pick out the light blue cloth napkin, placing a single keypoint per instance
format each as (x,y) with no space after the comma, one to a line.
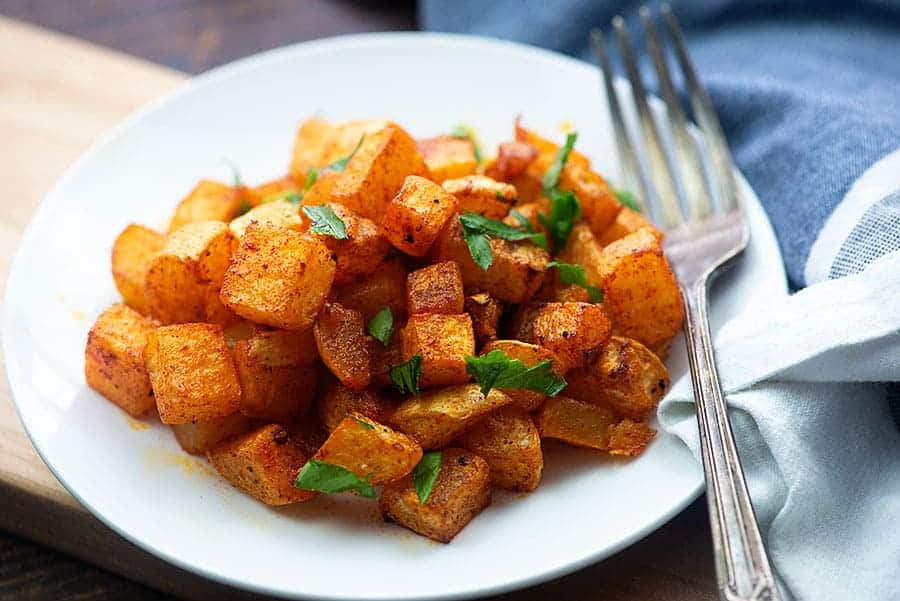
(809,98)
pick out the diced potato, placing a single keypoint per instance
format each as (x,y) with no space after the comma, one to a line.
(641,295)
(308,433)
(370,449)
(414,218)
(278,277)
(263,463)
(572,331)
(583,249)
(574,422)
(337,402)
(545,147)
(448,157)
(279,213)
(192,373)
(322,189)
(624,376)
(482,195)
(462,489)
(530,355)
(132,253)
(319,142)
(627,222)
(485,312)
(198,437)
(435,418)
(599,205)
(443,341)
(264,193)
(383,287)
(531,211)
(341,339)
(509,441)
(629,438)
(215,311)
(513,159)
(114,361)
(242,330)
(376,172)
(363,250)
(437,288)
(193,258)
(515,274)
(208,201)
(383,358)
(277,373)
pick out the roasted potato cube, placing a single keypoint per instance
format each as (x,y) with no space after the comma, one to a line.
(571,331)
(546,149)
(531,211)
(627,222)
(369,449)
(583,249)
(574,422)
(435,418)
(279,213)
(265,193)
(513,159)
(530,355)
(215,311)
(132,253)
(462,489)
(624,376)
(383,358)
(337,402)
(341,339)
(208,201)
(414,218)
(192,373)
(509,441)
(277,373)
(263,463)
(599,205)
(278,277)
(363,250)
(114,360)
(641,294)
(198,437)
(383,287)
(485,312)
(629,438)
(443,341)
(376,172)
(437,288)
(193,258)
(319,142)
(448,157)
(308,433)
(515,275)
(482,195)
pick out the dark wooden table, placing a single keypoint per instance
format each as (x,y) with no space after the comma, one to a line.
(193,36)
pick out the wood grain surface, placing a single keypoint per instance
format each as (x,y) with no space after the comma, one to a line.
(57,94)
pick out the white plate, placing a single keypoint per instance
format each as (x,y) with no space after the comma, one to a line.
(136,479)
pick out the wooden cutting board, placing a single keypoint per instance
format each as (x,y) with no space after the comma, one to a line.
(57,94)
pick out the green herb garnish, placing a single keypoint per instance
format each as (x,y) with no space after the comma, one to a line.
(311,177)
(523,220)
(476,229)
(426,473)
(468,133)
(497,370)
(341,164)
(366,425)
(243,207)
(551,178)
(564,212)
(325,222)
(405,377)
(627,198)
(381,326)
(570,273)
(292,196)
(235,173)
(329,478)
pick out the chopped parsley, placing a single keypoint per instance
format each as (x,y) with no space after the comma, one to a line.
(325,221)
(570,273)
(497,370)
(381,326)
(551,178)
(627,199)
(426,473)
(329,478)
(564,212)
(468,133)
(405,377)
(477,228)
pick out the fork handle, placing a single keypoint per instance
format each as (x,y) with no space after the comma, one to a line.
(742,566)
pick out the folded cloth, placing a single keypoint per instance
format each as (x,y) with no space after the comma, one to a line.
(809,98)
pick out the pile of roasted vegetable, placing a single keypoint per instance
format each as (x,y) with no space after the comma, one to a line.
(400,318)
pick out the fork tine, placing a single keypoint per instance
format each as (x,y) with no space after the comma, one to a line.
(661,171)
(720,156)
(631,175)
(687,156)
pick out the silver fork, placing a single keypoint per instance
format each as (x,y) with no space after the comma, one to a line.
(690,192)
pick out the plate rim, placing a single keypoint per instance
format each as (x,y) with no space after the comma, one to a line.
(234,68)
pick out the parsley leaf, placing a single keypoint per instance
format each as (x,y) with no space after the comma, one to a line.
(382,325)
(551,178)
(311,177)
(477,228)
(235,173)
(243,207)
(366,425)
(325,222)
(468,133)
(292,196)
(426,473)
(523,220)
(405,377)
(570,273)
(627,198)
(564,211)
(341,164)
(497,370)
(327,477)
